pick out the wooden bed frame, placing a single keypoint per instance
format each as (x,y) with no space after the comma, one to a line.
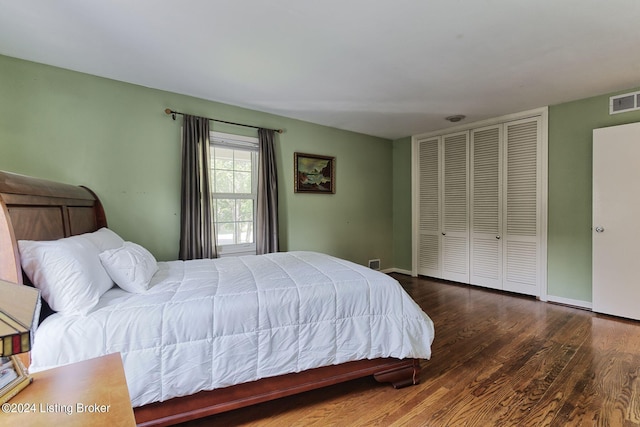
(37,209)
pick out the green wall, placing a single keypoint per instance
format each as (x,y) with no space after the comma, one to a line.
(116,139)
(570,199)
(402,227)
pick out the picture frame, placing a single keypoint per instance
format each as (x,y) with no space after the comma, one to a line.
(13,377)
(314,173)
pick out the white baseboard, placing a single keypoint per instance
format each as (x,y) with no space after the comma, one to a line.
(572,302)
(549,298)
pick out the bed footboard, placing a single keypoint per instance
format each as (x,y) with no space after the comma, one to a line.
(399,373)
(401,376)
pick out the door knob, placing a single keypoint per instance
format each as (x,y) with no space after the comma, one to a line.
(599,229)
(498,237)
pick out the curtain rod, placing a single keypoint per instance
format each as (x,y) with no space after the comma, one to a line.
(173,115)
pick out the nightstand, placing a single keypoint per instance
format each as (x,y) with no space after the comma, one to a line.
(89,393)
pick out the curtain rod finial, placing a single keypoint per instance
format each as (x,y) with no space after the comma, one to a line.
(170,111)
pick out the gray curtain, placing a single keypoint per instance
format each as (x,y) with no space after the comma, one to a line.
(267,210)
(197,234)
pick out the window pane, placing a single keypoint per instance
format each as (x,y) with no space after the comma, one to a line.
(223,158)
(223,182)
(224,210)
(242,182)
(245,232)
(225,233)
(231,173)
(244,210)
(242,160)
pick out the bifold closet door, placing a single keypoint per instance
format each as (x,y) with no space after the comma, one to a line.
(429,257)
(522,188)
(455,207)
(443,220)
(486,207)
(616,209)
(480,204)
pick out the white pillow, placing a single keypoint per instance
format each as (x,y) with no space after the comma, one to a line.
(131,266)
(67,271)
(104,239)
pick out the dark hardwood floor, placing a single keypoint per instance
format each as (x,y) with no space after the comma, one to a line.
(498,360)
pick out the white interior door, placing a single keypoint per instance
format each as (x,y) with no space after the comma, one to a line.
(429,257)
(616,212)
(521,211)
(486,203)
(455,207)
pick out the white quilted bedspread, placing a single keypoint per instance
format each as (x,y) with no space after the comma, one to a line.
(208,324)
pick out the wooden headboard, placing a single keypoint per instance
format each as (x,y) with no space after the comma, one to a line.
(37,209)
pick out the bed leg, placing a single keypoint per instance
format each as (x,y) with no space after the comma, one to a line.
(403,376)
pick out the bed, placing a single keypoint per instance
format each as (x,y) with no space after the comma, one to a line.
(378,340)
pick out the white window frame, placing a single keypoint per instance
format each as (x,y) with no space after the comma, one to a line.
(238,142)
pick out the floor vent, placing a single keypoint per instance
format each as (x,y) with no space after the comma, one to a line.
(374,264)
(625,102)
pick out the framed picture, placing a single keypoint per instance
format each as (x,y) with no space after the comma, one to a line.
(314,173)
(13,377)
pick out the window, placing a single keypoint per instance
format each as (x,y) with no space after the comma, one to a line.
(234,167)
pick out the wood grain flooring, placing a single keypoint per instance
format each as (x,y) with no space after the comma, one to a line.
(498,360)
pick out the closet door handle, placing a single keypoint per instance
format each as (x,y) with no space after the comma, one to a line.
(498,237)
(444,234)
(599,229)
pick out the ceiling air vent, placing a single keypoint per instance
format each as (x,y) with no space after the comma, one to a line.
(625,102)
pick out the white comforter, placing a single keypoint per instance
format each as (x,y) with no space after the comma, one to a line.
(208,324)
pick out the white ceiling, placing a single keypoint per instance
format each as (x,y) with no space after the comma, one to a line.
(390,68)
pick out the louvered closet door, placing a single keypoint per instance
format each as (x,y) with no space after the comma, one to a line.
(455,207)
(429,259)
(522,190)
(486,207)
